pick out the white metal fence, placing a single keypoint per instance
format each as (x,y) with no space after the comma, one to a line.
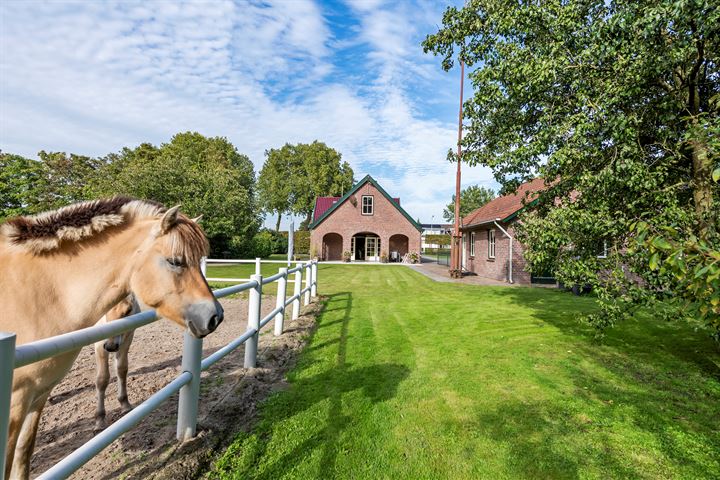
(187,383)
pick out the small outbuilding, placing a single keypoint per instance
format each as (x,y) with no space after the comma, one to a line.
(489,247)
(366,222)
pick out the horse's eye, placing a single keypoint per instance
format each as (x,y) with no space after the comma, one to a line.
(175,262)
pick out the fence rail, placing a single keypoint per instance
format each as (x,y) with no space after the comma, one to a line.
(187,383)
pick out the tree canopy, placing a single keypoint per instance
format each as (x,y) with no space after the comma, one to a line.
(293,176)
(615,104)
(471,198)
(206,175)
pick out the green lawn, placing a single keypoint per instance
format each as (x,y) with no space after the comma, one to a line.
(408,378)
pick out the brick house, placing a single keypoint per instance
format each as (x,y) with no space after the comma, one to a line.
(489,232)
(366,221)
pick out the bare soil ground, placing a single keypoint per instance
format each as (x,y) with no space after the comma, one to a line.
(228,399)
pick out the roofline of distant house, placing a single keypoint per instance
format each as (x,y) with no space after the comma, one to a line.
(356,187)
(503,220)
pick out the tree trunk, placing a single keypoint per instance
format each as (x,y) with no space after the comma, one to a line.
(277,225)
(702,179)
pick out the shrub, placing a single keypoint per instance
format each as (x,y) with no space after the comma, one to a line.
(413,257)
(346,256)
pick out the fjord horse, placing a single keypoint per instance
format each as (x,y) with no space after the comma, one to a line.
(62,270)
(120,346)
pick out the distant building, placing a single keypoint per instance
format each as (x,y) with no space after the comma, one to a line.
(366,221)
(435,229)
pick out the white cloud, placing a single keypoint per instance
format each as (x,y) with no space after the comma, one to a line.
(92,78)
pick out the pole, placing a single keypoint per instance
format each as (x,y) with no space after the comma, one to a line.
(251,346)
(7,367)
(203,266)
(291,241)
(189,393)
(308,282)
(280,303)
(258,269)
(296,293)
(313,285)
(455,252)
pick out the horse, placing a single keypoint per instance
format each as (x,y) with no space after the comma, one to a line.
(120,345)
(62,270)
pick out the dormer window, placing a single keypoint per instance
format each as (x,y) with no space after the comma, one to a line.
(367,205)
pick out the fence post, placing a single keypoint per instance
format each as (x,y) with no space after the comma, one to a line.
(281,294)
(190,393)
(258,268)
(296,292)
(7,366)
(203,266)
(314,269)
(308,282)
(251,346)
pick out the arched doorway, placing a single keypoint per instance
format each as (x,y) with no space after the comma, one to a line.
(332,246)
(365,247)
(398,247)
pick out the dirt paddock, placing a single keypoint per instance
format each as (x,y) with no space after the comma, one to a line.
(228,399)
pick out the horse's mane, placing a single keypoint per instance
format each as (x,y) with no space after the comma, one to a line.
(47,231)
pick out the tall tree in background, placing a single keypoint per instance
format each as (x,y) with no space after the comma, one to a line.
(206,175)
(471,198)
(321,174)
(295,175)
(616,104)
(275,188)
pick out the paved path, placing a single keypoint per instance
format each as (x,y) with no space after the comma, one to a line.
(440,273)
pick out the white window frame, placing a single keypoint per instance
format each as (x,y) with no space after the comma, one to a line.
(604,252)
(472,244)
(491,243)
(371,205)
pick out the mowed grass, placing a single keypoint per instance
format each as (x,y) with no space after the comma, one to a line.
(408,378)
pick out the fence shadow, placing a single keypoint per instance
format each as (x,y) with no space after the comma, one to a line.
(377,383)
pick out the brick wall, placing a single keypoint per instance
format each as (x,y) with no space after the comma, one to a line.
(496,268)
(348,220)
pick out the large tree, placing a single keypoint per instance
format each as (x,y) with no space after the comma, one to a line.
(293,176)
(471,198)
(615,104)
(206,175)
(275,188)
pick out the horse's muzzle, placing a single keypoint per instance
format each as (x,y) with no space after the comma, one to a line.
(112,345)
(203,318)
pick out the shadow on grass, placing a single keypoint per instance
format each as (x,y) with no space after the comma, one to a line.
(657,381)
(246,458)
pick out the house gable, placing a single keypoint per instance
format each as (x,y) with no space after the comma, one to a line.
(350,196)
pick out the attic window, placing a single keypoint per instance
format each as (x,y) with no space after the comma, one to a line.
(367,205)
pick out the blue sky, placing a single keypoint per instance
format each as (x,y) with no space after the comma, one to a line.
(93,77)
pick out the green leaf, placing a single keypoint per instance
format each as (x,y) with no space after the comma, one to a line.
(716,175)
(661,243)
(654,260)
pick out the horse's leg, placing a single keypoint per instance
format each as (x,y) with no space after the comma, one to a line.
(121,371)
(26,440)
(20,405)
(102,378)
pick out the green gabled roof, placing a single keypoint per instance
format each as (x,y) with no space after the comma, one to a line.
(354,189)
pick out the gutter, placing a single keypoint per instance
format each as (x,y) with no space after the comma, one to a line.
(510,275)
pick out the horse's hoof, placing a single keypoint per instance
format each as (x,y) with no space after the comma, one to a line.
(99,427)
(126,408)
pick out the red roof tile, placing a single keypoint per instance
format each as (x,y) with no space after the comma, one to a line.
(322,204)
(503,207)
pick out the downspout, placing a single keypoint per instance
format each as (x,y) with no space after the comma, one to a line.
(510,276)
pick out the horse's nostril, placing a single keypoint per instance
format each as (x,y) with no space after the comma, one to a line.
(214,322)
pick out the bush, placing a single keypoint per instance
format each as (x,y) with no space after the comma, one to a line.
(302,242)
(263,244)
(413,257)
(347,256)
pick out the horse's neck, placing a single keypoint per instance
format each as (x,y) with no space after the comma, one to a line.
(86,283)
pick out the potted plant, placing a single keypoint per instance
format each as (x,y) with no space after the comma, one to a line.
(346,256)
(414,257)
(383,257)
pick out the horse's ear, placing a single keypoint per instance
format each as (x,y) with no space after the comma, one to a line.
(169,219)
(197,219)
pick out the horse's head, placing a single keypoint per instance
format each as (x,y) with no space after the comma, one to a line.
(167,277)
